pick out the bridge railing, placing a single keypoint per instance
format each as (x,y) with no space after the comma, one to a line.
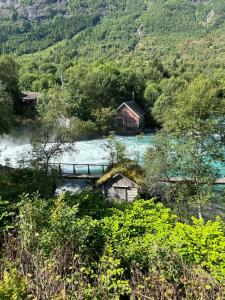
(80,169)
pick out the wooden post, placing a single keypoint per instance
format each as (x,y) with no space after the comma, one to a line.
(89,170)
(94,185)
(74,169)
(103,169)
(60,169)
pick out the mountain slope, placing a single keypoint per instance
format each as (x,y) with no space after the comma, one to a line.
(28,26)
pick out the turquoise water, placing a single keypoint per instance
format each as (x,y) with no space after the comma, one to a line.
(92,151)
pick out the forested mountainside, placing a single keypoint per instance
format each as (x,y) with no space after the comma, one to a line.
(27,26)
(95,54)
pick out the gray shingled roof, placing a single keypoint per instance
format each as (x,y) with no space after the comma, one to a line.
(30,96)
(133,106)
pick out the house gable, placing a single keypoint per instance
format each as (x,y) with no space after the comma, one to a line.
(127,106)
(122,181)
(130,114)
(122,188)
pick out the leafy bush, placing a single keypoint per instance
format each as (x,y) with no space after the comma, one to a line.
(202,244)
(139,232)
(13,286)
(14,183)
(67,247)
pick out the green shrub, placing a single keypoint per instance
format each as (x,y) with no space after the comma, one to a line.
(139,231)
(13,286)
(202,244)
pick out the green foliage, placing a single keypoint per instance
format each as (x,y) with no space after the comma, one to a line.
(109,250)
(96,90)
(104,119)
(13,183)
(33,217)
(13,286)
(191,142)
(5,110)
(9,91)
(61,223)
(59,228)
(201,243)
(116,151)
(200,106)
(6,215)
(136,232)
(36,35)
(9,74)
(82,130)
(91,203)
(108,282)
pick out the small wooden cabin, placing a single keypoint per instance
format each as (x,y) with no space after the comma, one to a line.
(131,115)
(30,98)
(119,187)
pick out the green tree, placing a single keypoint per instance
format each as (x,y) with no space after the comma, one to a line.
(49,144)
(116,151)
(6,110)
(9,76)
(169,90)
(193,137)
(104,119)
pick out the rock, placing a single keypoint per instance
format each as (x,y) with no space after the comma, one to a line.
(210,16)
(40,9)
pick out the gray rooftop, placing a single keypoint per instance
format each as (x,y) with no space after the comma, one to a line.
(133,106)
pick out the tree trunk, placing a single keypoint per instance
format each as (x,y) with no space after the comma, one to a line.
(199,211)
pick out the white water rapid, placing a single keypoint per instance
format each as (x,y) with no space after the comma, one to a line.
(93,152)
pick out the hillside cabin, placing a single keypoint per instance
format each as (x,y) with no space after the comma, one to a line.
(130,115)
(30,98)
(119,187)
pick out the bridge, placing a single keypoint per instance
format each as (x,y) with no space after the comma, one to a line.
(80,171)
(95,171)
(219,181)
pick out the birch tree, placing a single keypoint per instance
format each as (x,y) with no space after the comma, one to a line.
(192,140)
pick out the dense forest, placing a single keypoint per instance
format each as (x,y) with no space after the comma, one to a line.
(85,58)
(95,55)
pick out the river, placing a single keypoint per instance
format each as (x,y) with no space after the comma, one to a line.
(93,151)
(12,148)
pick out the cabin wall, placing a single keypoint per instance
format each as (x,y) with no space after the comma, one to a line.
(121,182)
(124,194)
(121,189)
(130,119)
(132,194)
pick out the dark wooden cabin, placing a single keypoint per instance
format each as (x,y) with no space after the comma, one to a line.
(130,115)
(30,98)
(120,187)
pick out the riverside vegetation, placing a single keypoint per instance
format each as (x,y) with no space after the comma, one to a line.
(83,246)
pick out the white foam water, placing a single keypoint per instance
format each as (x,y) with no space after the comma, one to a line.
(92,152)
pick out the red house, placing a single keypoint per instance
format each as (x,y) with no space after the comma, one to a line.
(131,115)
